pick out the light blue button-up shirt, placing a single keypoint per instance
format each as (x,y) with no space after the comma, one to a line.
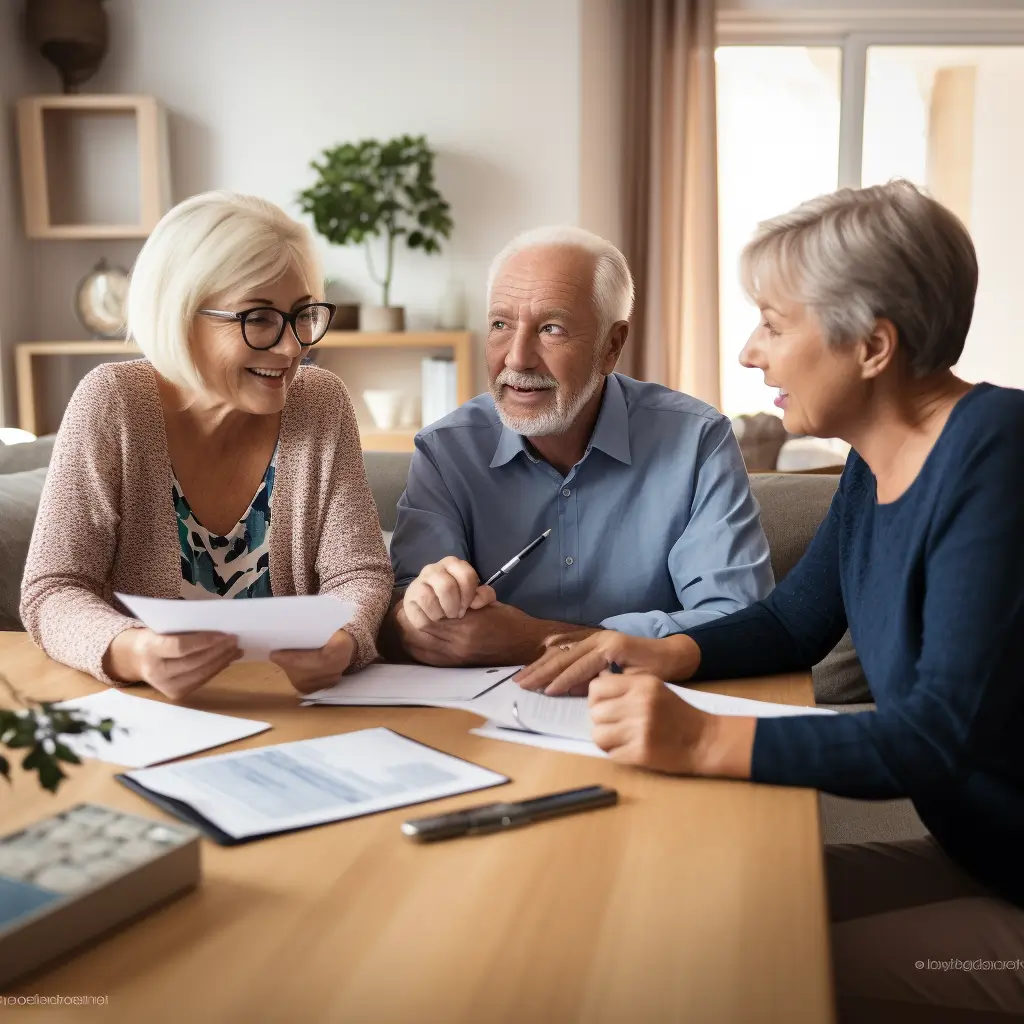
(653,531)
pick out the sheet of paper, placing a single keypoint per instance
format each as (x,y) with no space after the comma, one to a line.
(411,684)
(720,704)
(262,624)
(510,706)
(310,782)
(148,731)
(494,731)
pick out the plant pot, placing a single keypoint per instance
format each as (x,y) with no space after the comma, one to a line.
(382,319)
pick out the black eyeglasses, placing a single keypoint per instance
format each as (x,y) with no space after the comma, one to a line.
(263,326)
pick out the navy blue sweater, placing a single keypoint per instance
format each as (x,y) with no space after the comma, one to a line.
(932,587)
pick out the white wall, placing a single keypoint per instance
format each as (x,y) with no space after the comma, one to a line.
(602,105)
(257,88)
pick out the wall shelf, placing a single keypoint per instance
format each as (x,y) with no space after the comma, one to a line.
(459,343)
(93,167)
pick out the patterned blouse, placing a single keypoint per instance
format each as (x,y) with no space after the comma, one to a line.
(237,565)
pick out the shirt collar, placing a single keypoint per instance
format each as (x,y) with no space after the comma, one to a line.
(611,432)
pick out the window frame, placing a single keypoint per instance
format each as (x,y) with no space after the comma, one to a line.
(853,32)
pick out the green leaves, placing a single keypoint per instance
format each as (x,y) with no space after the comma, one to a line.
(37,728)
(371,189)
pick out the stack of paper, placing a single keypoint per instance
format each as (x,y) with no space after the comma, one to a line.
(563,723)
(385,684)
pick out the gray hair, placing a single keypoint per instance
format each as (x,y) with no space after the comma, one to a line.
(613,283)
(857,255)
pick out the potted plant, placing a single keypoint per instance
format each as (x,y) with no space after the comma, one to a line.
(379,190)
(37,728)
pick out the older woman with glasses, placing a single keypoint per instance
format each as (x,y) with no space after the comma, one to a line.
(866,298)
(218,467)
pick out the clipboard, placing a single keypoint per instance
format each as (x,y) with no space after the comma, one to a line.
(185,812)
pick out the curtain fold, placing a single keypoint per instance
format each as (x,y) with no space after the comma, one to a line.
(670,201)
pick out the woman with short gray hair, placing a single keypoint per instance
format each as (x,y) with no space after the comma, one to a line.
(866,297)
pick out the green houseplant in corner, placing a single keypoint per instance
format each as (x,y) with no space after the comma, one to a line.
(371,190)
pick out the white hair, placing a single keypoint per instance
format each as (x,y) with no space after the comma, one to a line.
(210,246)
(613,283)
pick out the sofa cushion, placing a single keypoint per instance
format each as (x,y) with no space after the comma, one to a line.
(792,508)
(17,458)
(19,499)
(387,472)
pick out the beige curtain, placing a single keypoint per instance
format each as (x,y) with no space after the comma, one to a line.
(670,178)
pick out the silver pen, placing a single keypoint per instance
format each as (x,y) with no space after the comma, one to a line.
(513,562)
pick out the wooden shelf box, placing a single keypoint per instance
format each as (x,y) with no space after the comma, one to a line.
(458,343)
(93,166)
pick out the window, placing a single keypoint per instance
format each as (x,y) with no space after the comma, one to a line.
(778,144)
(798,120)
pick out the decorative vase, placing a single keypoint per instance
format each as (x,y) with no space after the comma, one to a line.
(71,35)
(385,407)
(382,319)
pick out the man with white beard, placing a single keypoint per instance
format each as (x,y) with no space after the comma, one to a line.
(653,526)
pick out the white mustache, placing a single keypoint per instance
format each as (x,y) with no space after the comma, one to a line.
(531,381)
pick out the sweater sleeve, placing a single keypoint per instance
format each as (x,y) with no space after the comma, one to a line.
(352,562)
(65,599)
(793,628)
(967,676)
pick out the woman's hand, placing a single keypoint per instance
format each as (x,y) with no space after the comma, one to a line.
(313,670)
(568,665)
(638,720)
(175,664)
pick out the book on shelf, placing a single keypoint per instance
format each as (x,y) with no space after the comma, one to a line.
(438,381)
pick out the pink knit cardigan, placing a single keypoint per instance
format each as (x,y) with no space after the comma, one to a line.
(106,521)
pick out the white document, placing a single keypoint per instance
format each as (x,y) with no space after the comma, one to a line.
(262,624)
(411,684)
(148,731)
(493,731)
(309,782)
(720,704)
(509,708)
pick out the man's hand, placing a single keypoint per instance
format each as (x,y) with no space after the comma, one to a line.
(638,720)
(570,662)
(309,671)
(175,664)
(444,590)
(496,634)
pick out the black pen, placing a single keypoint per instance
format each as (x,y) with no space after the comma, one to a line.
(495,817)
(513,562)
(614,668)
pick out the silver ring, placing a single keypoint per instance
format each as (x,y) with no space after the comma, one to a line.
(566,647)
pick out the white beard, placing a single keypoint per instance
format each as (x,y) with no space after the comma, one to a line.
(558,418)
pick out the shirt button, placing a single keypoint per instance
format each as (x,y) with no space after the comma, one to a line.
(568,561)
(566,492)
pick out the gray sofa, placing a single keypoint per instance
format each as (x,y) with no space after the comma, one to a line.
(792,506)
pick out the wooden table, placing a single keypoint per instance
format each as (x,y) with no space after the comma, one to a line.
(693,900)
